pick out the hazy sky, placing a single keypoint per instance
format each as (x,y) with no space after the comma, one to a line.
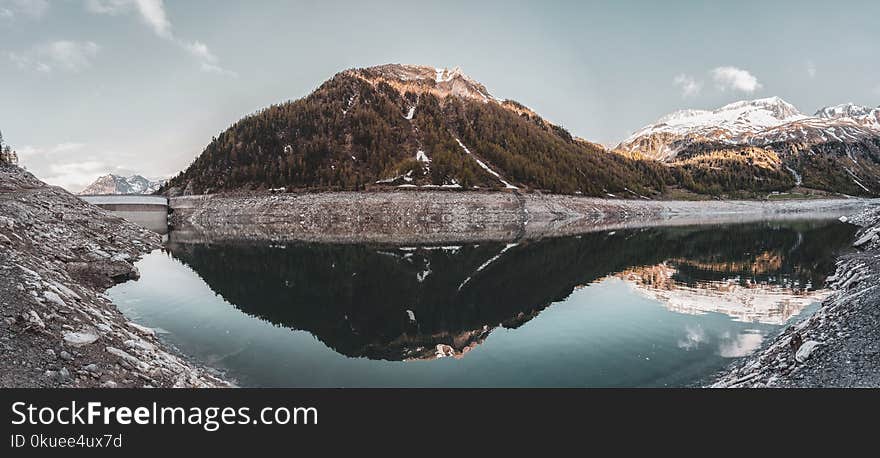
(93,86)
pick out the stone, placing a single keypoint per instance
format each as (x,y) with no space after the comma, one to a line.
(79,339)
(142,329)
(806,350)
(33,319)
(54,298)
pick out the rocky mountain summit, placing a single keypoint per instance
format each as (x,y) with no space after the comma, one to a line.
(57,328)
(116,184)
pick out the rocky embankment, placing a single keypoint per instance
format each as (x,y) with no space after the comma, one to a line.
(57,328)
(837,346)
(421,217)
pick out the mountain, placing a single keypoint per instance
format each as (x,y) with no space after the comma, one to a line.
(115,184)
(837,149)
(848,110)
(409,126)
(675,131)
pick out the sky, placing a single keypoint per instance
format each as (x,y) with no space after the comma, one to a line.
(89,87)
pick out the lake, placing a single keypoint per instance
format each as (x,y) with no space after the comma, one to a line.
(650,307)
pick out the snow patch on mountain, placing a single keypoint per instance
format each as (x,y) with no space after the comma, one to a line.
(486,167)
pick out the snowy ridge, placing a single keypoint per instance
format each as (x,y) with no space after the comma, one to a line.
(115,184)
(753,122)
(733,119)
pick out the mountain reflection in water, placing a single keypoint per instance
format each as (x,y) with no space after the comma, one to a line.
(408,303)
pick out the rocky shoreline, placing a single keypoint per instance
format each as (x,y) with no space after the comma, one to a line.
(57,328)
(837,346)
(425,217)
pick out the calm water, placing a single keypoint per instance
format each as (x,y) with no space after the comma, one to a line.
(647,307)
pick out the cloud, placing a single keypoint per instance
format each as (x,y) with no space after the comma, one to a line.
(154,15)
(152,12)
(208,61)
(71,164)
(735,79)
(30,8)
(811,69)
(75,176)
(61,148)
(688,85)
(71,56)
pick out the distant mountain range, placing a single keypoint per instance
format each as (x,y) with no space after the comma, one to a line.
(837,149)
(409,126)
(115,184)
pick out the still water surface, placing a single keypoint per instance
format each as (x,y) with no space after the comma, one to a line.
(646,307)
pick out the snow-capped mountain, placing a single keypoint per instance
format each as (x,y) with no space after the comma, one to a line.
(846,110)
(837,149)
(115,184)
(752,122)
(673,132)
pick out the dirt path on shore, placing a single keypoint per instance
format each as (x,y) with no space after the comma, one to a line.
(57,328)
(838,345)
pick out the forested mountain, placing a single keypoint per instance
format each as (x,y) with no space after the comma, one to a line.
(403,125)
(421,127)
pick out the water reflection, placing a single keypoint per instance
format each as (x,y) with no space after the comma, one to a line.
(421,303)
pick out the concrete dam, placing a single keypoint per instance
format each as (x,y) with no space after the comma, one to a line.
(148,211)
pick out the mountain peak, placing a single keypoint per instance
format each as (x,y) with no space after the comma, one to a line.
(117,184)
(423,78)
(844,110)
(776,106)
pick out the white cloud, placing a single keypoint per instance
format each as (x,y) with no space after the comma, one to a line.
(201,51)
(208,61)
(75,176)
(30,8)
(71,56)
(153,13)
(688,85)
(811,69)
(735,79)
(70,165)
(61,148)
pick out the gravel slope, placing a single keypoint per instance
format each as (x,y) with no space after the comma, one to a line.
(57,329)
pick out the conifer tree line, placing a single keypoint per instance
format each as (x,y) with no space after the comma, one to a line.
(7,154)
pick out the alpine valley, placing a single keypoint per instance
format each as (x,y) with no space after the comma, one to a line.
(407,126)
